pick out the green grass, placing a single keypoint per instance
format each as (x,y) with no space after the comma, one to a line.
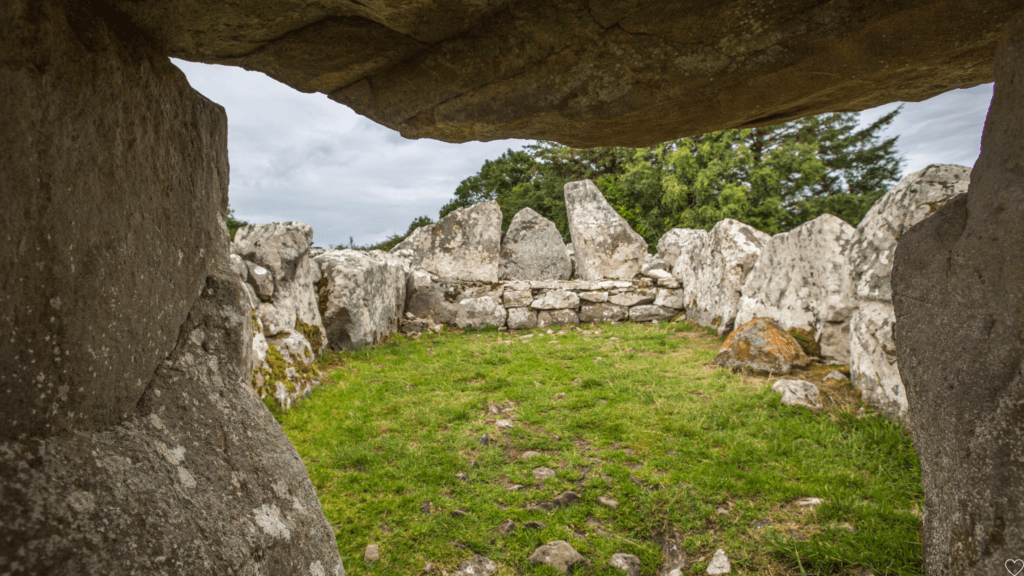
(394,425)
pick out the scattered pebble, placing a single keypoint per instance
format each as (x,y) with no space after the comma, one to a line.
(371,554)
(627,451)
(835,375)
(559,555)
(550,331)
(529,454)
(599,358)
(477,566)
(796,536)
(758,524)
(462,476)
(494,409)
(514,487)
(427,507)
(722,511)
(560,395)
(543,473)
(566,498)
(458,513)
(534,525)
(811,502)
(506,526)
(609,502)
(719,564)
(628,563)
(484,440)
(504,424)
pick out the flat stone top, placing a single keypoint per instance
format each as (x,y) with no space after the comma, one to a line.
(590,73)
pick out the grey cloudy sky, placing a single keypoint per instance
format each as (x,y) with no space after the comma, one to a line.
(305,158)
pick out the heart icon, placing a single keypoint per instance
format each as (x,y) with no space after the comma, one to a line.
(1014,567)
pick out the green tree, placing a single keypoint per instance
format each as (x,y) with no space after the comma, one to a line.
(233,224)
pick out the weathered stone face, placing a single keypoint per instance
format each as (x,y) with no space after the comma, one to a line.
(761,345)
(604,244)
(591,73)
(363,297)
(532,249)
(463,245)
(139,447)
(958,290)
(798,281)
(713,267)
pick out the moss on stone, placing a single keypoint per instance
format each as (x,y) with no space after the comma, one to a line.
(321,294)
(807,340)
(312,334)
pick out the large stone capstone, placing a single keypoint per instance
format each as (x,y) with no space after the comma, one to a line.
(130,440)
(873,359)
(958,291)
(532,249)
(712,269)
(590,73)
(798,282)
(463,245)
(604,244)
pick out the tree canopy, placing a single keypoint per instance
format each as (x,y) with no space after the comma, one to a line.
(773,178)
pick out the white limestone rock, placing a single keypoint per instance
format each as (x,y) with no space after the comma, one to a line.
(634,297)
(602,312)
(464,245)
(594,296)
(719,564)
(798,281)
(547,318)
(797,393)
(261,279)
(239,266)
(438,299)
(670,298)
(605,245)
(556,299)
(517,298)
(283,249)
(649,312)
(873,366)
(362,296)
(481,311)
(521,318)
(676,241)
(713,268)
(532,249)
(559,555)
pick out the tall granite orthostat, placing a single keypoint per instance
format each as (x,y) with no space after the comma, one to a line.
(605,245)
(463,245)
(532,249)
(130,441)
(958,292)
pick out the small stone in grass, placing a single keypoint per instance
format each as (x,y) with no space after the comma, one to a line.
(504,424)
(477,566)
(559,555)
(758,524)
(529,454)
(543,473)
(565,499)
(494,409)
(609,502)
(628,563)
(484,440)
(534,525)
(458,513)
(371,554)
(719,564)
(835,375)
(514,487)
(811,502)
(506,526)
(722,511)
(560,395)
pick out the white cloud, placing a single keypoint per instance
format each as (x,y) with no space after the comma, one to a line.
(303,157)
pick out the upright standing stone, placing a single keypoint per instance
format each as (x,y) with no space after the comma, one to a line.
(958,289)
(463,245)
(713,268)
(676,241)
(798,281)
(604,243)
(532,249)
(361,298)
(283,249)
(130,441)
(873,366)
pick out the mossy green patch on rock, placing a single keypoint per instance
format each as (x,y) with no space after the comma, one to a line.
(321,294)
(807,340)
(313,335)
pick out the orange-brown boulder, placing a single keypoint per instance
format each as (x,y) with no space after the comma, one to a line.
(762,345)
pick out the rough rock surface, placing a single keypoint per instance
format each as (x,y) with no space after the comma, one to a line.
(713,268)
(761,345)
(873,363)
(602,312)
(627,563)
(676,241)
(439,300)
(139,431)
(477,566)
(480,312)
(798,281)
(958,286)
(648,312)
(490,69)
(283,249)
(520,318)
(532,249)
(719,564)
(604,244)
(797,393)
(547,318)
(361,297)
(555,299)
(463,245)
(559,555)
